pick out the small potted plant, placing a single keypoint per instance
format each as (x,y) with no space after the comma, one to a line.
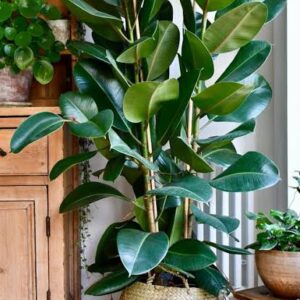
(146,123)
(27,47)
(277,252)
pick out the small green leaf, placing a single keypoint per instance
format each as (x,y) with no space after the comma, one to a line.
(190,255)
(88,193)
(196,56)
(43,71)
(188,15)
(5,11)
(29,8)
(78,107)
(141,251)
(23,39)
(149,10)
(253,171)
(177,232)
(222,98)
(247,61)
(67,163)
(111,283)
(113,168)
(213,5)
(34,128)
(120,146)
(228,249)
(211,280)
(187,186)
(144,99)
(23,57)
(235,28)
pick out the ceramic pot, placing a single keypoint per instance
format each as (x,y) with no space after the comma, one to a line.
(143,291)
(14,87)
(60,29)
(280,272)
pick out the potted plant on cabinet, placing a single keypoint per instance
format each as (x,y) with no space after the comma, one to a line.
(27,46)
(146,124)
(277,253)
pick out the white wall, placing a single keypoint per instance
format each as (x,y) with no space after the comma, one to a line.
(270,138)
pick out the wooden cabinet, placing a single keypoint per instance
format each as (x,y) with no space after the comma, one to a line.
(38,246)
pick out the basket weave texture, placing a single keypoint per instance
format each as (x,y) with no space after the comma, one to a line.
(143,291)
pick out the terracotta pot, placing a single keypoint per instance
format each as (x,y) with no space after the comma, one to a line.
(280,272)
(15,87)
(143,291)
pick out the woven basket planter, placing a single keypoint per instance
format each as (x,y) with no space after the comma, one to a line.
(143,291)
(14,87)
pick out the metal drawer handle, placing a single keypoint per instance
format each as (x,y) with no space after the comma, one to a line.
(2,152)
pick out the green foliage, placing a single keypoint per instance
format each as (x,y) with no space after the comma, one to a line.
(26,40)
(278,230)
(147,125)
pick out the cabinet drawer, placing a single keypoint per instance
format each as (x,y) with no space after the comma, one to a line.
(33,160)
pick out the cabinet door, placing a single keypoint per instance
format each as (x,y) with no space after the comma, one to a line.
(23,243)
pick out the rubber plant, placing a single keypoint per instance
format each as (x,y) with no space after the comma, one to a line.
(147,125)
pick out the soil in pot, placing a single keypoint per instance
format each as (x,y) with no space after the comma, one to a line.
(15,88)
(280,272)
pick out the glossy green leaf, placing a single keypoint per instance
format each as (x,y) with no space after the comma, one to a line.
(29,8)
(221,223)
(190,255)
(88,193)
(149,10)
(23,39)
(187,186)
(182,150)
(96,127)
(254,104)
(253,171)
(141,49)
(236,28)
(188,15)
(141,251)
(68,162)
(77,107)
(211,280)
(222,98)
(5,11)
(247,61)
(242,130)
(111,283)
(222,157)
(43,71)
(87,13)
(144,99)
(213,5)
(177,232)
(23,57)
(228,249)
(165,51)
(275,7)
(170,115)
(196,56)
(83,49)
(120,146)
(98,81)
(34,128)
(113,168)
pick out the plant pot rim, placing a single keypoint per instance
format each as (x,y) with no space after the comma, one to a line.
(278,251)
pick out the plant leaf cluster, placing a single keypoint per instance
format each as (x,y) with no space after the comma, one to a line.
(26,40)
(146,123)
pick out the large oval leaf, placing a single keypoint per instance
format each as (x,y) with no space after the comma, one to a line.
(187,186)
(251,172)
(212,5)
(68,162)
(236,28)
(88,193)
(190,255)
(34,128)
(77,107)
(222,98)
(221,223)
(196,56)
(111,283)
(141,251)
(98,81)
(255,103)
(247,61)
(144,99)
(165,51)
